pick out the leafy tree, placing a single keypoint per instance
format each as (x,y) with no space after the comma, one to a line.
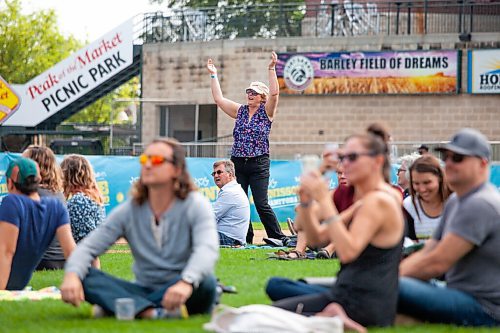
(227,19)
(30,44)
(100,111)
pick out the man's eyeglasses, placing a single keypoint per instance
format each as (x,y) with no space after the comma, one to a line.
(352,157)
(401,170)
(218,172)
(455,158)
(154,159)
(251,92)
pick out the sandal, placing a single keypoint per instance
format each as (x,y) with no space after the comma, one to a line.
(285,255)
(323,254)
(295,255)
(291,227)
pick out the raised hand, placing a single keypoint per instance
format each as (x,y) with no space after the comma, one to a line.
(274,59)
(211,67)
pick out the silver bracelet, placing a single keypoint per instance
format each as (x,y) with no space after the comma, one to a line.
(331,219)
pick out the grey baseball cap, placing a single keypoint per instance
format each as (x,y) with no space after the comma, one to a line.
(468,142)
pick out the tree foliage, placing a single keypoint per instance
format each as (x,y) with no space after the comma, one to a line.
(227,19)
(102,109)
(30,43)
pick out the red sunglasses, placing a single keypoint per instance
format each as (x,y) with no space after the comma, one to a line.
(154,159)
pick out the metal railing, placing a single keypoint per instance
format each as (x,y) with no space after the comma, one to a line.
(339,18)
(294,150)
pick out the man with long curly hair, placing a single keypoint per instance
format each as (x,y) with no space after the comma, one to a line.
(171,231)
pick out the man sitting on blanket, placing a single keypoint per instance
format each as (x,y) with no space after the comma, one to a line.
(232,209)
(28,224)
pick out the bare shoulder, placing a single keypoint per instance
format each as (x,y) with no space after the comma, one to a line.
(382,198)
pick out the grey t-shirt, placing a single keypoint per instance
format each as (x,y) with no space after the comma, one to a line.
(475,217)
(54,252)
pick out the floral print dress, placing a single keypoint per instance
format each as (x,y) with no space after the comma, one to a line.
(84,214)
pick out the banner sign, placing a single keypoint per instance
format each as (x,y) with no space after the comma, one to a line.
(340,73)
(9,101)
(115,174)
(483,71)
(74,76)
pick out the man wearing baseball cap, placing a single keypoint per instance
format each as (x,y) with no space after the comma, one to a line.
(28,224)
(465,247)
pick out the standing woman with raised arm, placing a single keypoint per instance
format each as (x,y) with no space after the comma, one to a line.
(250,151)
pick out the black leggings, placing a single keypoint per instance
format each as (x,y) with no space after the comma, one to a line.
(308,305)
(254,172)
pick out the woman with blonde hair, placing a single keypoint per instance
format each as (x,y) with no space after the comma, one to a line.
(50,185)
(85,202)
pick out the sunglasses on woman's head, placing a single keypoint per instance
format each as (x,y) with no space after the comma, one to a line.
(352,157)
(455,158)
(154,159)
(218,172)
(251,92)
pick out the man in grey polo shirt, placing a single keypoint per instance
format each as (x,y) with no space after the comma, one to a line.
(465,247)
(232,209)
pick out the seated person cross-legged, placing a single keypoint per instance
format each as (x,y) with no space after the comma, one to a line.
(171,231)
(464,247)
(232,208)
(367,238)
(28,224)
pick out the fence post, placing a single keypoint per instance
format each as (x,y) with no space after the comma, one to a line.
(332,27)
(408,19)
(471,17)
(425,16)
(460,13)
(398,8)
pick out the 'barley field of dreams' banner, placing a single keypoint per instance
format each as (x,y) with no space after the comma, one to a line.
(484,71)
(339,73)
(115,174)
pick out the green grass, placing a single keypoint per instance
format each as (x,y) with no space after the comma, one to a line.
(260,226)
(248,270)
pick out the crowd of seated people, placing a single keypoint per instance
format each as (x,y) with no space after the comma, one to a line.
(174,233)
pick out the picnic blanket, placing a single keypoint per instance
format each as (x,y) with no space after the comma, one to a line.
(28,294)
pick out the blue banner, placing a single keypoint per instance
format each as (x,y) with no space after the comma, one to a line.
(115,174)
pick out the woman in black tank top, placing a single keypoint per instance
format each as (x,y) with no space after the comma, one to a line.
(367,237)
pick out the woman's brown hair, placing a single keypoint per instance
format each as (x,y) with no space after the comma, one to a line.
(429,164)
(79,177)
(182,184)
(376,140)
(50,171)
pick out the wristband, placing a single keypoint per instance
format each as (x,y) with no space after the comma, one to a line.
(331,219)
(272,69)
(213,76)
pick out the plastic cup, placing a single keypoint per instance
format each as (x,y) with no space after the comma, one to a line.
(310,163)
(125,308)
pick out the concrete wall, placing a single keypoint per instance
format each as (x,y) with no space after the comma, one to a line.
(177,72)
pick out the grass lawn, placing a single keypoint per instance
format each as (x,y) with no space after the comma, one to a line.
(248,270)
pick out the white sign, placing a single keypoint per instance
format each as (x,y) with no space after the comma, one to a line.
(74,77)
(484,72)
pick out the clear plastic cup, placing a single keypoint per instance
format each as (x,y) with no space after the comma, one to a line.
(310,163)
(125,308)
